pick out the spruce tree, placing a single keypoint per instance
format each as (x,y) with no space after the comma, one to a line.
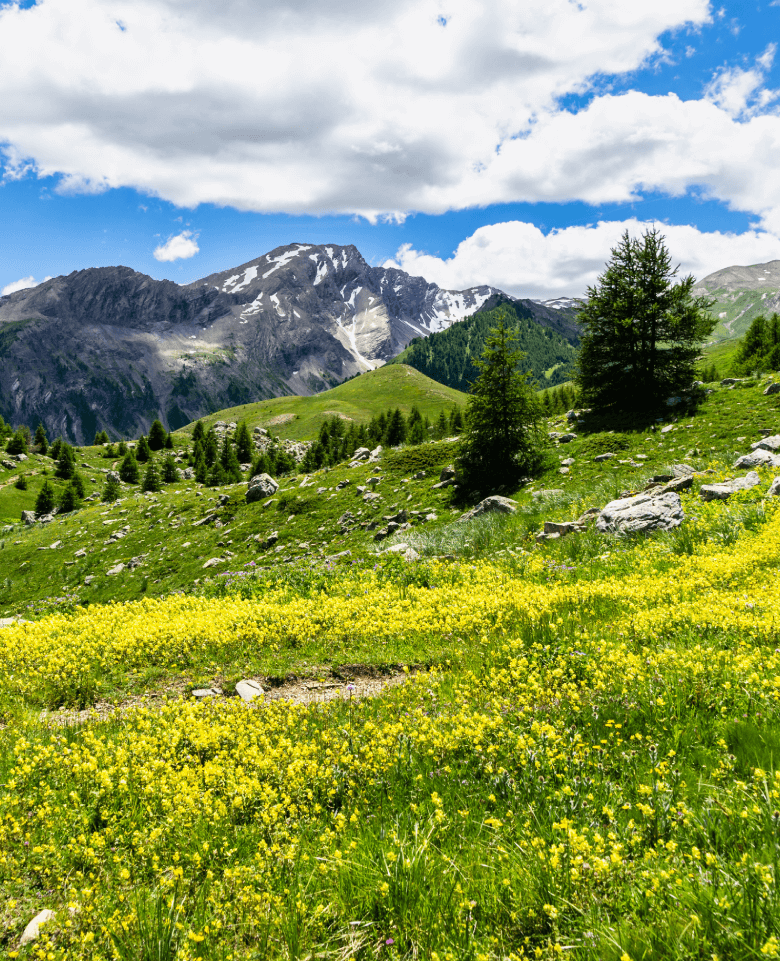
(66,462)
(129,470)
(77,481)
(243,441)
(152,482)
(170,471)
(169,441)
(396,429)
(41,441)
(18,443)
(44,503)
(143,452)
(503,439)
(201,468)
(69,500)
(211,447)
(157,435)
(111,491)
(229,462)
(198,432)
(642,331)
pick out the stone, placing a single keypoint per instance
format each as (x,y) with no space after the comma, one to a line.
(248,690)
(55,545)
(213,561)
(667,429)
(118,569)
(547,494)
(376,452)
(261,487)
(673,401)
(113,475)
(373,481)
(758,458)
(774,488)
(567,438)
(33,929)
(420,475)
(490,505)
(568,462)
(729,381)
(224,499)
(431,517)
(397,549)
(371,498)
(448,473)
(768,443)
(28,517)
(342,484)
(208,519)
(362,453)
(599,458)
(561,527)
(642,512)
(588,517)
(678,484)
(541,538)
(724,490)
(188,473)
(22,458)
(9,465)
(201,693)
(772,389)
(268,541)
(563,470)
(88,579)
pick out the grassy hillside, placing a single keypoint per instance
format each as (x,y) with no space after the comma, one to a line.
(505,749)
(736,309)
(299,418)
(448,356)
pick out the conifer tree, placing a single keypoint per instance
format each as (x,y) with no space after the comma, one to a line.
(69,500)
(243,442)
(170,471)
(157,435)
(44,503)
(129,470)
(41,440)
(152,482)
(111,491)
(169,441)
(66,462)
(142,451)
(229,462)
(18,443)
(503,440)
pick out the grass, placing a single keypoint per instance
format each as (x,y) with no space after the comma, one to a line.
(583,761)
(300,418)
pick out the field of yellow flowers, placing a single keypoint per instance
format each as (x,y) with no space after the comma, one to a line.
(593,775)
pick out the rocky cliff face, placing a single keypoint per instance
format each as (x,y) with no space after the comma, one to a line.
(111,348)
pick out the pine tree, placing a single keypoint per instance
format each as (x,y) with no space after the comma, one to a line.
(101,437)
(69,500)
(396,429)
(229,462)
(217,476)
(77,481)
(201,468)
(441,426)
(18,443)
(170,471)
(121,448)
(44,503)
(21,482)
(198,432)
(66,462)
(129,470)
(143,452)
(211,447)
(111,491)
(243,441)
(169,441)
(503,439)
(642,332)
(56,447)
(41,441)
(152,482)
(157,435)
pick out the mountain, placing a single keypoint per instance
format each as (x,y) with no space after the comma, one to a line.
(110,348)
(740,295)
(448,356)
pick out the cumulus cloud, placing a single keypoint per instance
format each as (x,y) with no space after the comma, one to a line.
(742,92)
(521,260)
(22,284)
(180,247)
(309,107)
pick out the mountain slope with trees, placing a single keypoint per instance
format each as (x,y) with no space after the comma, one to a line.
(451,356)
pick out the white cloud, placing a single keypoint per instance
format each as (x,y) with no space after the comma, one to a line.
(180,247)
(521,260)
(22,284)
(742,92)
(304,106)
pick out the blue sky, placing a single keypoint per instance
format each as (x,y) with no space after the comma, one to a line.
(503,143)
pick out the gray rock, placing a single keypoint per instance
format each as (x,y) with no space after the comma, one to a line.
(28,517)
(547,494)
(201,693)
(774,488)
(269,541)
(22,458)
(88,579)
(375,453)
(261,487)
(490,505)
(8,464)
(568,462)
(211,562)
(667,429)
(372,498)
(118,569)
(224,499)
(188,473)
(561,527)
(730,381)
(772,389)
(248,690)
(541,538)
(768,443)
(563,470)
(33,929)
(113,475)
(431,517)
(724,490)
(643,512)
(373,481)
(420,475)
(448,473)
(342,484)
(758,458)
(567,438)
(362,453)
(407,553)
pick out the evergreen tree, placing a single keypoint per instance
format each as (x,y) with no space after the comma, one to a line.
(170,471)
(121,448)
(201,468)
(503,439)
(66,462)
(642,332)
(21,483)
(243,441)
(198,432)
(18,443)
(229,462)
(284,463)
(217,476)
(101,438)
(77,481)
(111,491)
(143,452)
(456,419)
(169,441)
(211,447)
(41,440)
(44,503)
(441,426)
(129,470)
(396,429)
(56,447)
(262,464)
(759,349)
(157,435)
(152,480)
(69,500)
(416,432)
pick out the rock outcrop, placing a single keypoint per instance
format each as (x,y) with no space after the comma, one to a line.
(641,513)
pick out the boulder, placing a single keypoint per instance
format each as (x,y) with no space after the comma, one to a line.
(724,490)
(260,487)
(490,505)
(768,443)
(113,475)
(408,553)
(201,693)
(758,458)
(211,562)
(33,929)
(28,517)
(188,473)
(248,690)
(774,488)
(447,478)
(115,570)
(269,541)
(599,458)
(643,512)
(22,458)
(772,389)
(362,453)
(567,438)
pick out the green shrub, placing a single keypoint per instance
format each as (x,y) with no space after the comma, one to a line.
(290,503)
